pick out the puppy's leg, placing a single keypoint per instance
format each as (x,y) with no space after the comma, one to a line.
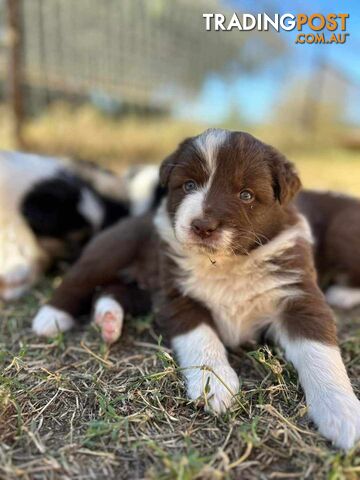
(308,336)
(111,305)
(341,251)
(99,265)
(200,354)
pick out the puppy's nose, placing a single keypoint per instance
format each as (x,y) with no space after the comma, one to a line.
(204,227)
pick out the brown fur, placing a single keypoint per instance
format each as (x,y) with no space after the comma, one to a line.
(308,315)
(118,251)
(335,221)
(131,251)
(243,162)
(176,313)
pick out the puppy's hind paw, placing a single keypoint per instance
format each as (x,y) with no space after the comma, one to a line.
(109,316)
(49,321)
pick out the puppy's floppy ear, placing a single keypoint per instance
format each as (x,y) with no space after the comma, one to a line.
(172,160)
(166,168)
(286,182)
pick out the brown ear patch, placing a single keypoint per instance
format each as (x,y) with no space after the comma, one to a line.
(173,160)
(166,168)
(286,181)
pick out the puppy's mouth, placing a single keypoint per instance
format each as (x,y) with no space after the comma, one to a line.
(215,243)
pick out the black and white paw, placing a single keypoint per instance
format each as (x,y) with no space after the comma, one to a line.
(49,321)
(109,316)
(217,386)
(338,418)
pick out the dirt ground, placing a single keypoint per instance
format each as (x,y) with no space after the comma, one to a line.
(70,408)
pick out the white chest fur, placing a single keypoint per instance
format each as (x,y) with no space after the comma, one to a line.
(243,293)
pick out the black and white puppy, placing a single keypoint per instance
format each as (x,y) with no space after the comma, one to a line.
(49,209)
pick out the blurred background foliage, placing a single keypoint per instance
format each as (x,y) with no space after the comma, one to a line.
(123,81)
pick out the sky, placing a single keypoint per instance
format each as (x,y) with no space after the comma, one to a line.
(255,95)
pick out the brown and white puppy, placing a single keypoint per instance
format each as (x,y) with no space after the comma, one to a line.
(226,257)
(335,223)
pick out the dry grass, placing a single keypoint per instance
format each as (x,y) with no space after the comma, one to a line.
(83,132)
(72,409)
(87,133)
(332,169)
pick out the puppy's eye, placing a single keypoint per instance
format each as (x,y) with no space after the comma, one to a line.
(189,186)
(247,196)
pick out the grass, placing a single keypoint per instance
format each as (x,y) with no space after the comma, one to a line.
(333,169)
(86,133)
(72,408)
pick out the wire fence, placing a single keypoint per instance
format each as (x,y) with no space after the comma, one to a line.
(130,55)
(117,52)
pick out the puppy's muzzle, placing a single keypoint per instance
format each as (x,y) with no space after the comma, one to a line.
(204,228)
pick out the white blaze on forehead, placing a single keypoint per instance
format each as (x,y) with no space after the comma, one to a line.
(209,144)
(192,205)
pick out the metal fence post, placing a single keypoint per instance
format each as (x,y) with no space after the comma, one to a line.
(15,69)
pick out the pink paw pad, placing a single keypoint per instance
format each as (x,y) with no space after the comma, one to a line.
(109,317)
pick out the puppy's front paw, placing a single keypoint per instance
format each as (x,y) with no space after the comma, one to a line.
(337,416)
(49,321)
(109,316)
(217,385)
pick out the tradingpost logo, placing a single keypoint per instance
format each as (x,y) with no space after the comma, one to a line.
(324,29)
